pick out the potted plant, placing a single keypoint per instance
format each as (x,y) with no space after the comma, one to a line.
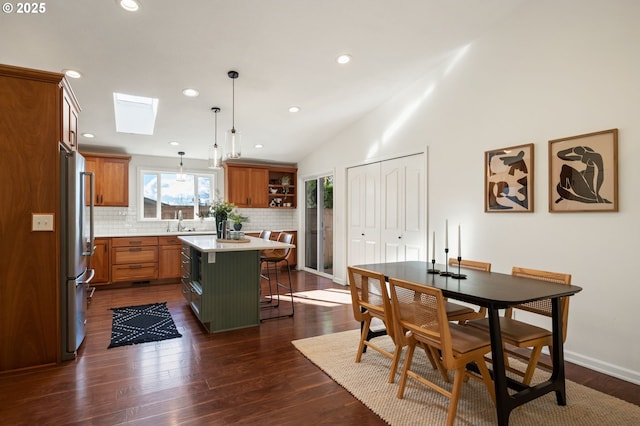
(237,219)
(220,209)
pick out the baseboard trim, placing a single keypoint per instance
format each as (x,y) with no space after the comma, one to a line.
(603,367)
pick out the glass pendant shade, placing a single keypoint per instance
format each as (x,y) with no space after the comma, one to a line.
(215,152)
(181,176)
(232,144)
(215,157)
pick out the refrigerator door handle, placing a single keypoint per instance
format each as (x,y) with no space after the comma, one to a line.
(91,247)
(92,273)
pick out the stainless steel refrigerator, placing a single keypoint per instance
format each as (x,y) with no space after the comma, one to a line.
(77,247)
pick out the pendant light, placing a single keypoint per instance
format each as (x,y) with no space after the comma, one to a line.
(215,152)
(232,137)
(181,176)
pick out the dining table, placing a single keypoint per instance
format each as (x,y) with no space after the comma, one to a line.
(496,291)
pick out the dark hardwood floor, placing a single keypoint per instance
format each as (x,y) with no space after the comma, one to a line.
(248,376)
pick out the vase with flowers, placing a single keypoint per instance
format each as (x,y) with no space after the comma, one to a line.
(220,209)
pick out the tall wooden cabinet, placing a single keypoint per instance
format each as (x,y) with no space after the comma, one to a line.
(31,130)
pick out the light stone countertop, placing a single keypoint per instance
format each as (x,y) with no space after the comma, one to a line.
(209,244)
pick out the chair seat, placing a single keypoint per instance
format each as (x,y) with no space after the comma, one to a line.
(453,309)
(513,331)
(466,339)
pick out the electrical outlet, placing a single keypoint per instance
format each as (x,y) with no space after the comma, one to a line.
(42,222)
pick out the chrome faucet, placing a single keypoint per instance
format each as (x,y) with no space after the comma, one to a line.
(180,225)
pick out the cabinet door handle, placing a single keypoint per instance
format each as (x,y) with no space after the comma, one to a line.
(135,248)
(135,266)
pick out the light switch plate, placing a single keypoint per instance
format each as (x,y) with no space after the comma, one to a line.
(42,222)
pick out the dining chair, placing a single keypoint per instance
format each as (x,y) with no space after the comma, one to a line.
(274,257)
(370,299)
(462,313)
(420,310)
(520,334)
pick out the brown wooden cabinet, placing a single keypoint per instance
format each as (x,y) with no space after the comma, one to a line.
(100,261)
(111,178)
(134,259)
(30,135)
(70,110)
(169,257)
(260,186)
(282,187)
(245,185)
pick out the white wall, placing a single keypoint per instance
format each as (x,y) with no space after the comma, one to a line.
(554,69)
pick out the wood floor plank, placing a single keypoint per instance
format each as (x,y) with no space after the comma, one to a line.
(248,376)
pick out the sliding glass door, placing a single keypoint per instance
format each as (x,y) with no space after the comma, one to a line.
(318,216)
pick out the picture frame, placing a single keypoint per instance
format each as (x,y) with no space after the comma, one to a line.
(583,173)
(508,179)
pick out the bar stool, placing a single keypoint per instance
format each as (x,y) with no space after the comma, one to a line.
(274,257)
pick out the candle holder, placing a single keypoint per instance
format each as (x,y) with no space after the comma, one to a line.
(459,276)
(433,269)
(446,272)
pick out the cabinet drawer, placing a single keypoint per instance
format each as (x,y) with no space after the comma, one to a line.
(122,255)
(134,272)
(134,241)
(169,241)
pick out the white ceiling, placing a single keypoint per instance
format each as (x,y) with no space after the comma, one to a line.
(284,50)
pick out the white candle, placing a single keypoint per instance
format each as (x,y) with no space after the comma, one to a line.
(459,252)
(433,247)
(446,234)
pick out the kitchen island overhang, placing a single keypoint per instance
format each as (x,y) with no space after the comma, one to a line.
(221,280)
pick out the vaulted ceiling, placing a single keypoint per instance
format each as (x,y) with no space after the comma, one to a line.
(284,50)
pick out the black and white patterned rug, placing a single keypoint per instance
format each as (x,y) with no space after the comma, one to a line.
(143,323)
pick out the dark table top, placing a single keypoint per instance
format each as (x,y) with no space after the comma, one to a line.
(490,289)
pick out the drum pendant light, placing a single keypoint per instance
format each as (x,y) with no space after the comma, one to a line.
(215,152)
(232,137)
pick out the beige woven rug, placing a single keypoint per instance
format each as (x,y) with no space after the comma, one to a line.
(367,381)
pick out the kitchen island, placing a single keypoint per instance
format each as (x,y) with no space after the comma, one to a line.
(221,280)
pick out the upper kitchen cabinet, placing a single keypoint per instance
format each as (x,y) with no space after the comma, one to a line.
(245,185)
(111,173)
(282,187)
(260,186)
(70,110)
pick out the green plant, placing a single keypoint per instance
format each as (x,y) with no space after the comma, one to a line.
(237,217)
(221,208)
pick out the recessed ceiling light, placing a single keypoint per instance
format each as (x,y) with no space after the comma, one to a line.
(129,5)
(72,73)
(294,108)
(192,93)
(174,143)
(259,145)
(89,135)
(343,59)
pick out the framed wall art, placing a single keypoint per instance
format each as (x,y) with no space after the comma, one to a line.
(508,179)
(583,173)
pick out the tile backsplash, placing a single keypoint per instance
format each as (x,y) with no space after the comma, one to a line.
(114,221)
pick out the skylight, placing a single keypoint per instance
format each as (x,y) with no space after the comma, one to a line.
(135,114)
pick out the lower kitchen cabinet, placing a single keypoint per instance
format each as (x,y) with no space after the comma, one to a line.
(100,261)
(134,259)
(169,257)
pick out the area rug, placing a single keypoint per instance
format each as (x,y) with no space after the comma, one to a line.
(367,381)
(142,323)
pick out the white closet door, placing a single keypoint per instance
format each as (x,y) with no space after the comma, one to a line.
(404,206)
(364,214)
